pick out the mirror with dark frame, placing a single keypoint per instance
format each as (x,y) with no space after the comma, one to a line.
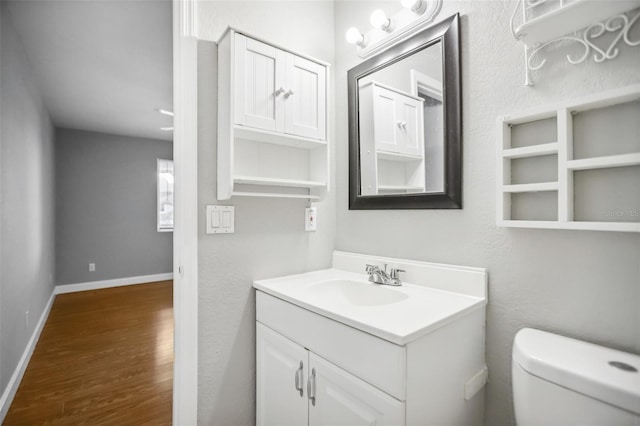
(405,138)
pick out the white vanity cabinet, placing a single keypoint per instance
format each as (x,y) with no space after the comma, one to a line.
(272,121)
(295,386)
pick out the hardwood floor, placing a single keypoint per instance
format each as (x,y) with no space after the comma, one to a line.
(105,357)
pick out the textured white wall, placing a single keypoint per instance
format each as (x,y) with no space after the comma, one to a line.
(270,239)
(26,201)
(579,283)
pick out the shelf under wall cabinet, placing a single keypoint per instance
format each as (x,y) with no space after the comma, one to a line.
(275,138)
(292,183)
(273,195)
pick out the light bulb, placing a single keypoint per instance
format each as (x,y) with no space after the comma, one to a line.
(380,20)
(416,6)
(354,36)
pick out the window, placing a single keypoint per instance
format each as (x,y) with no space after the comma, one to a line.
(165,195)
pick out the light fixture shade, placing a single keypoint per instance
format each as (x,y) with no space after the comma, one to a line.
(380,20)
(354,36)
(416,6)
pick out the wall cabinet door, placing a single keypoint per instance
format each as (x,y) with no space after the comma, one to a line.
(279,91)
(259,77)
(305,98)
(280,378)
(342,399)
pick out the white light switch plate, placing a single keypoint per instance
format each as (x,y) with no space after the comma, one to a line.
(311,219)
(220,219)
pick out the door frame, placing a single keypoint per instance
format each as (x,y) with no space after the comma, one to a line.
(185,235)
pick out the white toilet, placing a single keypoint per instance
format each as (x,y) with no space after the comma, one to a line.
(563,381)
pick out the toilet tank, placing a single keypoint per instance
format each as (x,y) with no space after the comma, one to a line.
(563,381)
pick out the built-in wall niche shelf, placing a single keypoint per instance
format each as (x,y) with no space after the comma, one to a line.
(574,165)
(272,121)
(588,28)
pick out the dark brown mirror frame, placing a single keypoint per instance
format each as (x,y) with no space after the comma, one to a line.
(447,32)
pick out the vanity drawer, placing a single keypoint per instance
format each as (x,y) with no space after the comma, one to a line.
(376,361)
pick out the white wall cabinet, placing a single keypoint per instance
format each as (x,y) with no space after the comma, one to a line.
(295,386)
(272,121)
(391,140)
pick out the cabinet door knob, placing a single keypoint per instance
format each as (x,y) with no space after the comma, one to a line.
(298,379)
(289,93)
(399,123)
(280,91)
(311,387)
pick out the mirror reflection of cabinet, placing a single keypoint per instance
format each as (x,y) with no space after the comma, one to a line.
(392,141)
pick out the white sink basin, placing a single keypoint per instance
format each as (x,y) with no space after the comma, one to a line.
(357,293)
(397,314)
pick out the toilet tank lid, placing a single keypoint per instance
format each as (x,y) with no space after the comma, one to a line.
(580,366)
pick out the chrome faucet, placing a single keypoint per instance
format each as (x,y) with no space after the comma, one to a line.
(379,276)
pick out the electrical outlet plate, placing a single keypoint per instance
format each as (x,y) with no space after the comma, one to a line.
(311,219)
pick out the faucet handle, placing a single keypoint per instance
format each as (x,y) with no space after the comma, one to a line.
(395,273)
(370,268)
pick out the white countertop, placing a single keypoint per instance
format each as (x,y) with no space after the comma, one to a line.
(397,314)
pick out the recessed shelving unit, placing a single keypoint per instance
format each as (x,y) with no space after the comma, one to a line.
(613,122)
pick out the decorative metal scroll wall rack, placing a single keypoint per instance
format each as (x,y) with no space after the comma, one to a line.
(550,23)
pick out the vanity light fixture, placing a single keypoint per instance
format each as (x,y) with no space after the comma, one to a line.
(354,36)
(414,16)
(416,6)
(379,20)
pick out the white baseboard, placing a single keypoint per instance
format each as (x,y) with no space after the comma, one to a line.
(16,378)
(12,387)
(97,285)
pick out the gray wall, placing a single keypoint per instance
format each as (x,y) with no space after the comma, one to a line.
(269,237)
(106,207)
(579,283)
(26,201)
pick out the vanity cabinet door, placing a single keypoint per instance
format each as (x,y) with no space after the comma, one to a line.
(259,77)
(281,374)
(305,98)
(338,398)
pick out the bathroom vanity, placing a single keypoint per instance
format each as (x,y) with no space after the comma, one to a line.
(333,348)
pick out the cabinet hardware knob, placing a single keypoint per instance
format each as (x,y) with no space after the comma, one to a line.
(289,93)
(311,387)
(280,91)
(298,379)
